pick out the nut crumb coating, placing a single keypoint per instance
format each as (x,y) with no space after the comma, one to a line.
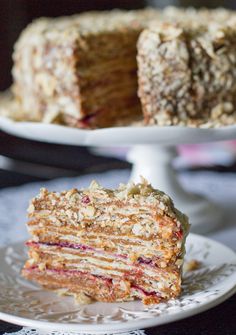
(187,73)
(131,194)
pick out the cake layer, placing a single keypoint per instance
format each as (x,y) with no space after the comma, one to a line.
(135,225)
(162,251)
(85,286)
(97,262)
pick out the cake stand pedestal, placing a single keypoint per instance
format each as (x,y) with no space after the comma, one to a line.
(152,151)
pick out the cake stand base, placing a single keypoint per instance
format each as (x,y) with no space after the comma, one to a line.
(154,163)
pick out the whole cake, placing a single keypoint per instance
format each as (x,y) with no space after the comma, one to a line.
(107,245)
(82,71)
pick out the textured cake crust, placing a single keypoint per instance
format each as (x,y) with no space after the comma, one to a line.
(122,244)
(187,72)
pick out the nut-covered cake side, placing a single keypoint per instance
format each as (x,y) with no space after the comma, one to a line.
(187,73)
(80,70)
(107,245)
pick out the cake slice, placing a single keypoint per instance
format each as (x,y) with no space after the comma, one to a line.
(107,245)
(80,70)
(187,72)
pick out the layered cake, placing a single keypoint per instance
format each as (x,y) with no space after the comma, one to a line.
(80,70)
(107,245)
(187,72)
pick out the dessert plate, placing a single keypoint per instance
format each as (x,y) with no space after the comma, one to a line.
(24,303)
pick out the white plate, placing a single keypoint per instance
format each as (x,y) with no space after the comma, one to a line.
(24,303)
(172,135)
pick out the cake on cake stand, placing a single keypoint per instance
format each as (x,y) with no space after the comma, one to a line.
(152,150)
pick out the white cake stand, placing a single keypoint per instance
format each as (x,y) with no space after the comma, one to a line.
(152,151)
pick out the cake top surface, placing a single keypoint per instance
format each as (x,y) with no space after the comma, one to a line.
(93,22)
(216,23)
(99,21)
(196,28)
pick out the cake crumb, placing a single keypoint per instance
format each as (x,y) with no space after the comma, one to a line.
(191,265)
(82,298)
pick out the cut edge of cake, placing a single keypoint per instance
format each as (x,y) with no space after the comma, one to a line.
(107,245)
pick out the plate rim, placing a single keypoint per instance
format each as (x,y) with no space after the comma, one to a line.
(117,328)
(134,324)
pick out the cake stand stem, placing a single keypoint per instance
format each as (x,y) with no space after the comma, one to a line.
(154,162)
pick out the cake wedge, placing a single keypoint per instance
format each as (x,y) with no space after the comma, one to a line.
(107,245)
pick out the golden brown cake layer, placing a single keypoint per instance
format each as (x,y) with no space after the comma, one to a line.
(86,287)
(132,237)
(160,252)
(81,257)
